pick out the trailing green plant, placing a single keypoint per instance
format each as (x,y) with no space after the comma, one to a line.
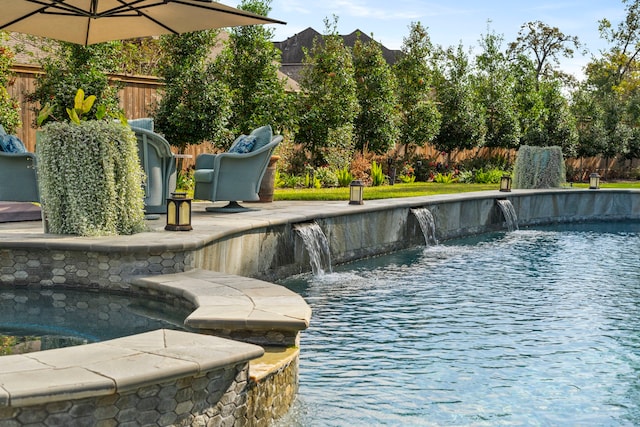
(539,167)
(377,175)
(344,177)
(90,178)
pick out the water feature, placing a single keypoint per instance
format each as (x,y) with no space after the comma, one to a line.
(33,320)
(509,213)
(427,225)
(533,327)
(317,245)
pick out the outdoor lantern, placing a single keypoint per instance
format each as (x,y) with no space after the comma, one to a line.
(178,212)
(594,181)
(505,183)
(356,189)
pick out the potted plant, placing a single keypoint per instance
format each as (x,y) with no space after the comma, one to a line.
(89,175)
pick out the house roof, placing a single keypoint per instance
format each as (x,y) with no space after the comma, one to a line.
(293,48)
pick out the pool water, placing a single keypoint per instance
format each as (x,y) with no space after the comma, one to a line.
(34,320)
(531,327)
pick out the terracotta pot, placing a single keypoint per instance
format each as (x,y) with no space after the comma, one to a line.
(268,181)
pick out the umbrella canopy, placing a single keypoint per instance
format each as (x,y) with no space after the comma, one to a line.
(94,21)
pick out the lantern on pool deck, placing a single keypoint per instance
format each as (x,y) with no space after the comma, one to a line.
(178,212)
(356,189)
(594,181)
(505,183)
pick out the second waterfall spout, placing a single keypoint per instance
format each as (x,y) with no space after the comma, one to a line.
(317,246)
(427,224)
(509,213)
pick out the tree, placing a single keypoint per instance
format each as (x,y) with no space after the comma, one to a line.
(71,67)
(622,57)
(195,105)
(9,108)
(327,102)
(420,118)
(546,44)
(606,106)
(462,119)
(495,88)
(376,127)
(249,66)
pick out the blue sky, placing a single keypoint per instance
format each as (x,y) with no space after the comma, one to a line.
(450,22)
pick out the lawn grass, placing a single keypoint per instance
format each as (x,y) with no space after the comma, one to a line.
(409,190)
(380,192)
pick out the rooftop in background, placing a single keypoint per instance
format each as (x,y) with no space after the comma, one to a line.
(293,49)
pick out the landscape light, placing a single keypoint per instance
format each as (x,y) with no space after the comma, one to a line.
(356,190)
(178,213)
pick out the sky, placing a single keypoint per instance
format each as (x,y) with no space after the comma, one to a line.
(450,22)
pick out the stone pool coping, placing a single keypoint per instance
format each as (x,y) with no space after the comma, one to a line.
(115,366)
(227,301)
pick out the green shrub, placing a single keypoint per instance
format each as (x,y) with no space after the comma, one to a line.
(491,176)
(326,177)
(444,178)
(377,176)
(90,178)
(344,177)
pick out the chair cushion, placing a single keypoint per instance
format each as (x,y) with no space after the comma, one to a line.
(244,144)
(263,136)
(11,144)
(203,175)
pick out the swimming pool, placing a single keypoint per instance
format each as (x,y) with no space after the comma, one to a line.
(532,327)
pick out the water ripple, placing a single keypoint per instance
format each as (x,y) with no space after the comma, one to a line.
(532,327)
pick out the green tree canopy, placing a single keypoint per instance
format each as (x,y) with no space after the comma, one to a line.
(70,67)
(195,105)
(327,102)
(249,66)
(495,88)
(376,127)
(420,118)
(462,117)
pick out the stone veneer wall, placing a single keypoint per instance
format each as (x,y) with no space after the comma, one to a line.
(218,398)
(276,251)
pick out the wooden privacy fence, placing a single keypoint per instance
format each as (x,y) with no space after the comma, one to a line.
(139,94)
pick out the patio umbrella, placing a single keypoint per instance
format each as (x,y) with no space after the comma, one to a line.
(93,21)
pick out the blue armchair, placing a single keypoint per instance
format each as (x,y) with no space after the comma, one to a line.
(18,175)
(158,164)
(235,175)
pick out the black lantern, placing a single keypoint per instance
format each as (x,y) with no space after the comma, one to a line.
(594,181)
(505,183)
(178,213)
(356,189)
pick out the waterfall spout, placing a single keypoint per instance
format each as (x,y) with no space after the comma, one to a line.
(317,246)
(509,213)
(427,224)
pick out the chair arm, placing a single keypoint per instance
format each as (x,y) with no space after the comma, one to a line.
(205,161)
